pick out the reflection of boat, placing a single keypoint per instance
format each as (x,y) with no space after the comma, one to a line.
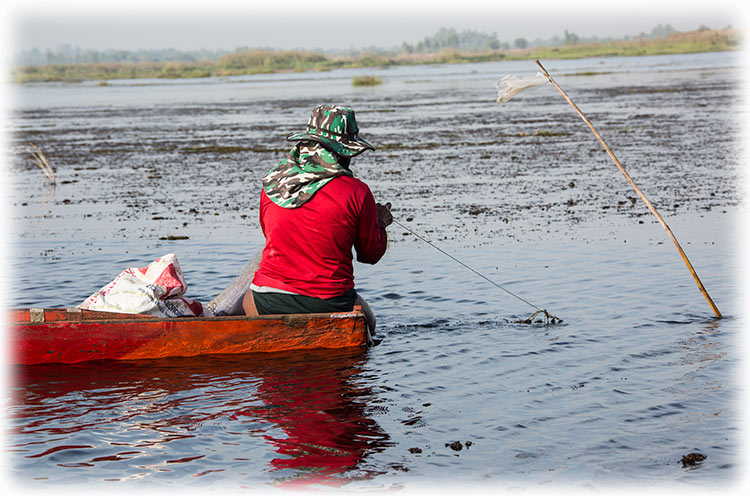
(291,419)
(75,335)
(320,407)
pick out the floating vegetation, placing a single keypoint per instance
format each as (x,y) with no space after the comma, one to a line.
(173,238)
(457,446)
(214,149)
(544,132)
(100,151)
(227,149)
(366,81)
(692,459)
(588,73)
(422,146)
(393,146)
(477,210)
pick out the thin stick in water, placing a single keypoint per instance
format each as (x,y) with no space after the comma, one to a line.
(637,190)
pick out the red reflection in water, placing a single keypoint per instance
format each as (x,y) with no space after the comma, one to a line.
(323,413)
(315,398)
(60,448)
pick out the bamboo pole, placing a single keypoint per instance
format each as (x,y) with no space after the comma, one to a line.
(637,190)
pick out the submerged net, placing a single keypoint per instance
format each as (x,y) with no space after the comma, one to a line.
(511,85)
(548,318)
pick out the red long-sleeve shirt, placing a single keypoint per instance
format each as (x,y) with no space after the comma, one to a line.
(309,249)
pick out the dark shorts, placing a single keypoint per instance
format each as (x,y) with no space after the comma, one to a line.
(281,303)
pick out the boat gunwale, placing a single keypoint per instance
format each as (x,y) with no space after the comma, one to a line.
(355,313)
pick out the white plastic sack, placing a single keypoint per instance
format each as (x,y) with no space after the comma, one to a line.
(510,85)
(153,290)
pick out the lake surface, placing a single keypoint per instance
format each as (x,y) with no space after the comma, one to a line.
(638,374)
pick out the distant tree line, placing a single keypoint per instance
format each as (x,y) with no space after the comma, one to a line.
(258,61)
(447,38)
(443,39)
(570,38)
(66,54)
(477,41)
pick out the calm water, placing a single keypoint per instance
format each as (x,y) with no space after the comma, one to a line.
(638,375)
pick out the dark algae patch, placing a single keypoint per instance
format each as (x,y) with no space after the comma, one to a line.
(692,460)
(455,445)
(215,149)
(458,446)
(226,149)
(173,238)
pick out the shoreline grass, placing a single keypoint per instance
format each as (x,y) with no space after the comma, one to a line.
(271,61)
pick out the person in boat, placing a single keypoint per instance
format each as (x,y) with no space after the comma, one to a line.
(312,212)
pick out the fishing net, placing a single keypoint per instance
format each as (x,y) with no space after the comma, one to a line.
(548,318)
(229,301)
(511,85)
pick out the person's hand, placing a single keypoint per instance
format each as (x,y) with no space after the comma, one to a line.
(384,214)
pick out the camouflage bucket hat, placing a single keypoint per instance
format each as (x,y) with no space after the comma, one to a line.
(336,129)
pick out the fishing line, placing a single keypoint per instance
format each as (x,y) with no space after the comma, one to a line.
(549,318)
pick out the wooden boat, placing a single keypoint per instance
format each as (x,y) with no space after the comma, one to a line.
(71,335)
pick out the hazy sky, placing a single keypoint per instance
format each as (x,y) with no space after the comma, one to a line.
(341,24)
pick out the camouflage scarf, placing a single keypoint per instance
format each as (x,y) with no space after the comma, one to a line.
(307,168)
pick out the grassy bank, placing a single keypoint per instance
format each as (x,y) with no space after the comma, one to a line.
(691,42)
(269,61)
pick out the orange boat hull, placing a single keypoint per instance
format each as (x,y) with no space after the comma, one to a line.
(75,335)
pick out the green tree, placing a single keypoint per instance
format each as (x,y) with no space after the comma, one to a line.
(662,31)
(570,38)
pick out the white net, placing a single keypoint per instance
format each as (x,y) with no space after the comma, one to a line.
(511,85)
(229,301)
